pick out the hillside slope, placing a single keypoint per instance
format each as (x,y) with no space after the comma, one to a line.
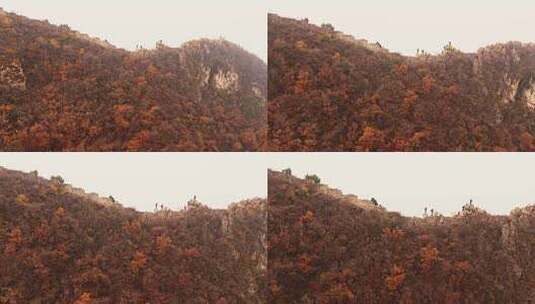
(324,249)
(331,92)
(62,90)
(60,245)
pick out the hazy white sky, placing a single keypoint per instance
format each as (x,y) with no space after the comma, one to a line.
(125,23)
(404,26)
(408,182)
(404,182)
(140,180)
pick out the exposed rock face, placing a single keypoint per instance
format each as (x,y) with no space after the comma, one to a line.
(515,77)
(511,87)
(526,90)
(222,80)
(529,94)
(223,74)
(12,75)
(205,75)
(520,90)
(227,80)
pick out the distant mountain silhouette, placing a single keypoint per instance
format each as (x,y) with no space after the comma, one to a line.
(61,90)
(60,245)
(329,91)
(325,247)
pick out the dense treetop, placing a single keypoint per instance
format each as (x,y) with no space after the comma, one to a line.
(326,249)
(60,245)
(331,92)
(65,91)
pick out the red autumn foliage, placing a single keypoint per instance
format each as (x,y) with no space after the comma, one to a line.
(325,247)
(85,298)
(331,92)
(67,247)
(61,90)
(395,279)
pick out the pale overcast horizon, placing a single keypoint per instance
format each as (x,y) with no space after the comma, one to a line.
(402,182)
(409,182)
(126,24)
(405,26)
(139,180)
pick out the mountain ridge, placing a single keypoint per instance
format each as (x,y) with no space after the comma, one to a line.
(207,95)
(325,250)
(332,94)
(62,247)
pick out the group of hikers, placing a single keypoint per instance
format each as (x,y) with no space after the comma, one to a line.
(191,203)
(466,207)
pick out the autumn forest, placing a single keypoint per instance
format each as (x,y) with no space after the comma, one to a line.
(61,90)
(329,91)
(59,244)
(309,244)
(263,237)
(326,247)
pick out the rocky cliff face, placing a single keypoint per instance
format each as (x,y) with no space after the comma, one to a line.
(508,69)
(524,90)
(220,74)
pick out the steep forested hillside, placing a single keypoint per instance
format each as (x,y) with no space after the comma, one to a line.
(61,245)
(328,248)
(331,92)
(62,90)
